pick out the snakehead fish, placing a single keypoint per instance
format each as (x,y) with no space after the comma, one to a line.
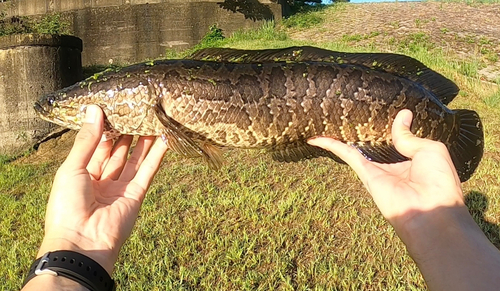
(276,100)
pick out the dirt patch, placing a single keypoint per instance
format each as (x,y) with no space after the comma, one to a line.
(53,151)
(469,31)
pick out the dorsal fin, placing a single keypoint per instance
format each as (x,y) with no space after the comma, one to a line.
(444,89)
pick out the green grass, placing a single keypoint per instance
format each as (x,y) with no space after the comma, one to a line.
(257,224)
(23,192)
(303,20)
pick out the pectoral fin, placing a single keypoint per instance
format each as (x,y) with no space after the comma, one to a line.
(175,137)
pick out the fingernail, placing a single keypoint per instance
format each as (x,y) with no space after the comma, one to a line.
(90,114)
(406,120)
(104,138)
(313,140)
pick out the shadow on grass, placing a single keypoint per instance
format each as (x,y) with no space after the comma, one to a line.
(478,204)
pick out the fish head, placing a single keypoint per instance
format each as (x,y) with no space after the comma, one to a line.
(61,109)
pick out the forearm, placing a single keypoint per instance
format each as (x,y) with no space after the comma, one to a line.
(451,251)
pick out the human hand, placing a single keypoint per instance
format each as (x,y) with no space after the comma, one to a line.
(404,190)
(97,192)
(423,201)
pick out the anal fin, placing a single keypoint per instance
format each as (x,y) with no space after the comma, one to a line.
(381,153)
(299,151)
(175,138)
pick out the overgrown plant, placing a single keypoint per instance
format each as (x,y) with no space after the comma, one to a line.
(14,25)
(52,24)
(267,32)
(49,24)
(303,20)
(213,36)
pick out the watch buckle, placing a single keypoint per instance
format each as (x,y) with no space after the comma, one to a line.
(39,270)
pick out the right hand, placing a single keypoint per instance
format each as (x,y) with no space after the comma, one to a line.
(404,190)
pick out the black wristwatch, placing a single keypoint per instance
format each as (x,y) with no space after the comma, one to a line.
(74,266)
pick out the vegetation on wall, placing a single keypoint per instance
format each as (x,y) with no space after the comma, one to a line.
(49,24)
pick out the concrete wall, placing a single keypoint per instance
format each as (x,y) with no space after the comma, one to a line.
(30,66)
(129,31)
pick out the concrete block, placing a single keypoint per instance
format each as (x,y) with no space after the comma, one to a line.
(30,66)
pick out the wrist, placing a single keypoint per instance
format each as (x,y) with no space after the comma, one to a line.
(53,283)
(72,265)
(105,258)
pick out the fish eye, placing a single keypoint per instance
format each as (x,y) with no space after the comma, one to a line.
(50,99)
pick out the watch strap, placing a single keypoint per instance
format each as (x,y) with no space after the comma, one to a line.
(74,266)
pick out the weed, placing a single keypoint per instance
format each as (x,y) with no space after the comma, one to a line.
(484,41)
(5,159)
(418,22)
(52,24)
(214,35)
(302,20)
(484,51)
(469,69)
(15,25)
(416,41)
(268,31)
(470,38)
(358,37)
(395,24)
(352,37)
(49,24)
(492,56)
(493,100)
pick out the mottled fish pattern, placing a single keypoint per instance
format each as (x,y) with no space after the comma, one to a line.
(275,100)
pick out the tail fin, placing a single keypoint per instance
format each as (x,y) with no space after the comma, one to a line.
(467,151)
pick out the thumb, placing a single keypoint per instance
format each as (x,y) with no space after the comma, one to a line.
(87,138)
(404,140)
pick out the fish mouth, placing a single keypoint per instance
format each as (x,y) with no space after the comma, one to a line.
(39,108)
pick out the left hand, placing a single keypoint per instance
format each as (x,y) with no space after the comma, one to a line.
(97,192)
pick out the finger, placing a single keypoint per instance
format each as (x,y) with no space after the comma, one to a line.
(347,153)
(138,155)
(150,166)
(87,139)
(118,158)
(100,157)
(409,145)
(404,140)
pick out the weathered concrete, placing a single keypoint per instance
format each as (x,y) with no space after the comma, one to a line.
(130,31)
(37,7)
(30,66)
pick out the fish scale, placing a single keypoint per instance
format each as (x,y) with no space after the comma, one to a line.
(276,100)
